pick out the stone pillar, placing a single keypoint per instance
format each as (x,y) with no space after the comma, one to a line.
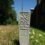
(24,27)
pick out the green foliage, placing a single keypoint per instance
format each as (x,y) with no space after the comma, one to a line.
(12,17)
(9,21)
(7,14)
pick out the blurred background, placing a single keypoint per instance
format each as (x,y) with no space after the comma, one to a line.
(9,15)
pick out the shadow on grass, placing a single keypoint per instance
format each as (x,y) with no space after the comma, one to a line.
(16,42)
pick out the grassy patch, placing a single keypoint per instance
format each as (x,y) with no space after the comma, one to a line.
(8,34)
(37,37)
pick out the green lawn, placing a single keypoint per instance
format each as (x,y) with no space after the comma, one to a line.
(10,33)
(37,37)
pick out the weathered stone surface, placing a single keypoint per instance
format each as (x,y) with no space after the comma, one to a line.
(24,24)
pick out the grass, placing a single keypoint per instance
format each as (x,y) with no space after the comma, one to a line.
(37,37)
(9,33)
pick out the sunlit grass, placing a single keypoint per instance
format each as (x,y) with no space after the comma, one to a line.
(10,32)
(37,37)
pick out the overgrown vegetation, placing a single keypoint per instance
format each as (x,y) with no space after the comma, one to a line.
(9,35)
